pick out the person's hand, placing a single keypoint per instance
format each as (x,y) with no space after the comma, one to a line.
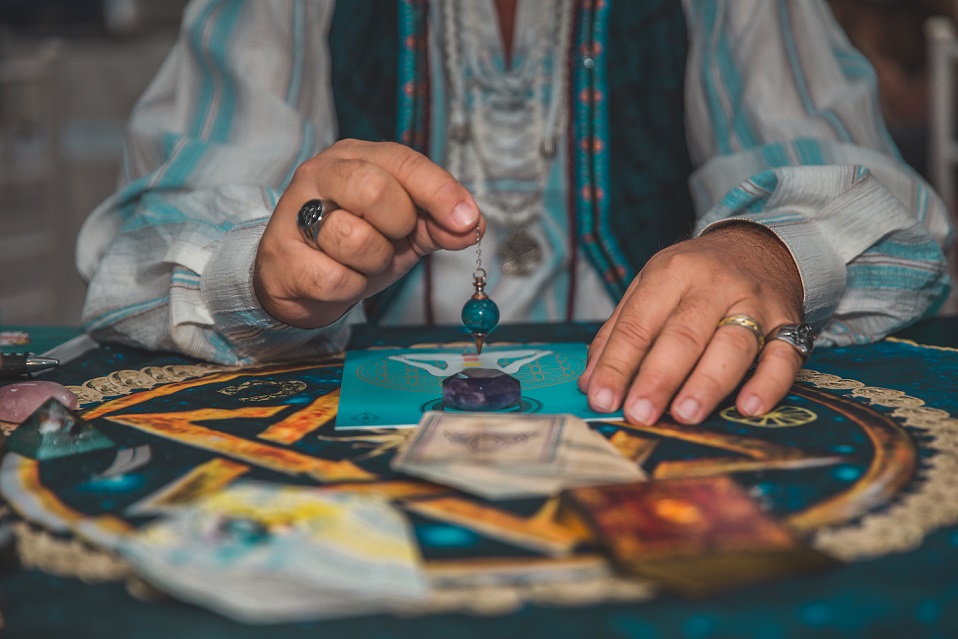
(661,348)
(396,206)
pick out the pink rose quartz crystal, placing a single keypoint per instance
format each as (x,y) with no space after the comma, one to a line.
(18,401)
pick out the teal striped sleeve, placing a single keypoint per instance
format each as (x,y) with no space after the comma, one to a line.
(785,131)
(241,101)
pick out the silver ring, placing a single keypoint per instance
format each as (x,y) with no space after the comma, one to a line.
(311,216)
(745,321)
(798,336)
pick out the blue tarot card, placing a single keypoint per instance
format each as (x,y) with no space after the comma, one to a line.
(393,387)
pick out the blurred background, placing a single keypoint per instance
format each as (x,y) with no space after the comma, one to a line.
(71,70)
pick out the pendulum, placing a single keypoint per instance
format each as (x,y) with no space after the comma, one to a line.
(479,314)
(474,388)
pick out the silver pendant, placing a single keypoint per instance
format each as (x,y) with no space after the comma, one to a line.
(520,254)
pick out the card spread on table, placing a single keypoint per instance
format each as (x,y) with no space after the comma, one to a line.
(693,536)
(394,387)
(264,552)
(503,456)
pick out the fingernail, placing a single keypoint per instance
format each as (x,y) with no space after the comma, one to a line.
(641,411)
(603,400)
(464,215)
(752,406)
(688,410)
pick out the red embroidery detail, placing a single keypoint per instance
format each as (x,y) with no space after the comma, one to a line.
(595,147)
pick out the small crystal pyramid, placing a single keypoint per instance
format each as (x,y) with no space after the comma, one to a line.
(53,431)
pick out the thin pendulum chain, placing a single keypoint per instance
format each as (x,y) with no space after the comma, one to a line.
(479,314)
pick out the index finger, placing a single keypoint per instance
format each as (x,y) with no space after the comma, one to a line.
(431,187)
(632,331)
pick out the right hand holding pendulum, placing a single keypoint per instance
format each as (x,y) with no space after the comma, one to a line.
(394,206)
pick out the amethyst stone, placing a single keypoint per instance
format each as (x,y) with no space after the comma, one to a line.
(480,389)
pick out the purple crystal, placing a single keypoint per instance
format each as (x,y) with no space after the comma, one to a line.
(480,389)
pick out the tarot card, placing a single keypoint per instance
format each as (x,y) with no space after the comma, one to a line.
(476,439)
(693,536)
(503,456)
(262,552)
(696,577)
(394,387)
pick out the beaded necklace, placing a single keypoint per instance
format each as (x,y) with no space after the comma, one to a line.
(503,125)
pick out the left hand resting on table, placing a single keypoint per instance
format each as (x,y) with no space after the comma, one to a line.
(661,343)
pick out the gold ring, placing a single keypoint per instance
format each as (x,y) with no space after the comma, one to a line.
(745,321)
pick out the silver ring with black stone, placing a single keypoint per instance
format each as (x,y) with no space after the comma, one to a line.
(311,217)
(798,336)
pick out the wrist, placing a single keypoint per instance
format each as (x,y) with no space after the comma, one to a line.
(756,247)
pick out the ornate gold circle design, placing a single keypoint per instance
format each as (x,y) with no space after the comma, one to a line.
(261,390)
(780,417)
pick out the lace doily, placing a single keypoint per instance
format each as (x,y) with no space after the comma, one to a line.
(902,525)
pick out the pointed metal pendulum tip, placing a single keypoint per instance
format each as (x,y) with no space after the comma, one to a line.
(480,340)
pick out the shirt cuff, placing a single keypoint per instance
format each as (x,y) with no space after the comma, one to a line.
(827,216)
(227,287)
(823,272)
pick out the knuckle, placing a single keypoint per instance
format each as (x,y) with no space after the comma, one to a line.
(402,224)
(782,354)
(363,181)
(371,252)
(346,236)
(684,331)
(347,146)
(358,244)
(447,188)
(371,185)
(330,284)
(740,337)
(379,261)
(306,171)
(634,332)
(673,259)
(655,384)
(614,373)
(407,161)
(709,383)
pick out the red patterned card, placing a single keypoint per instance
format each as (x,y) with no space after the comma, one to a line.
(693,536)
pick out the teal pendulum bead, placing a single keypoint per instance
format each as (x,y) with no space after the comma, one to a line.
(480,314)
